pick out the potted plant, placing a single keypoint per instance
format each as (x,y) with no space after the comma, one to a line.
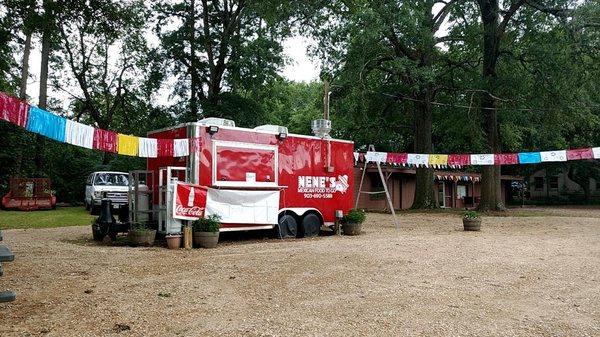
(173,240)
(352,222)
(140,235)
(471,221)
(206,231)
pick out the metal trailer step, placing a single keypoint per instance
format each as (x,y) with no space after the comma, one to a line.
(7,296)
(5,254)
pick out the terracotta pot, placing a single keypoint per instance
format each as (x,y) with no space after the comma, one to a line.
(351,228)
(173,241)
(142,237)
(206,239)
(472,224)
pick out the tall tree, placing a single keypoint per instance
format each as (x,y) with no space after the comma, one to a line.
(211,45)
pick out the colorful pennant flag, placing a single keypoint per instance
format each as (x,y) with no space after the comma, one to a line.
(79,134)
(417,159)
(506,159)
(530,157)
(127,145)
(438,159)
(459,159)
(148,147)
(46,124)
(105,140)
(553,156)
(181,147)
(482,159)
(376,157)
(13,110)
(580,154)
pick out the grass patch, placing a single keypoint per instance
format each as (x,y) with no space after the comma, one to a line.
(60,217)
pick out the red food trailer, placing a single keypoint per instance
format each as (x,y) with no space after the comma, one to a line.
(29,194)
(259,178)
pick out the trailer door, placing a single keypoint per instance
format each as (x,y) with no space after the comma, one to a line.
(237,164)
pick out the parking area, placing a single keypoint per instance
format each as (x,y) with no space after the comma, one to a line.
(533,274)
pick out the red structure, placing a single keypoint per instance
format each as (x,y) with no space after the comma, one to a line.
(311,177)
(29,194)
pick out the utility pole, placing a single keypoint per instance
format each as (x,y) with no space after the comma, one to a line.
(326,99)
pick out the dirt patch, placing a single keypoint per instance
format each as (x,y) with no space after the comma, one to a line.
(519,276)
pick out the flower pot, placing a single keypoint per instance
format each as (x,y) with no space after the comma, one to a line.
(206,239)
(173,241)
(351,228)
(142,237)
(472,224)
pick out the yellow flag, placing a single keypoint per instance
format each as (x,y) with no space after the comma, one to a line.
(127,145)
(438,159)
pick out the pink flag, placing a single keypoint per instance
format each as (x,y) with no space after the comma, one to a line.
(579,154)
(165,147)
(13,110)
(105,140)
(459,159)
(396,158)
(506,159)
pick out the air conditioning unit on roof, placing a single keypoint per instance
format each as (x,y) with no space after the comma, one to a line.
(272,128)
(217,121)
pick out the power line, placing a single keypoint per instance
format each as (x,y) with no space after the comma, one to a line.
(470,107)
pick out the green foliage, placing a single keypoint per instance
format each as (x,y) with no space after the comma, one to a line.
(139,227)
(471,215)
(211,224)
(354,216)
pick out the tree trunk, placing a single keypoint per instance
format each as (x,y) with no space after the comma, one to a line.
(192,114)
(491,195)
(23,95)
(423,119)
(43,98)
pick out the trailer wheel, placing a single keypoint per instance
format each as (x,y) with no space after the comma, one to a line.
(311,225)
(287,227)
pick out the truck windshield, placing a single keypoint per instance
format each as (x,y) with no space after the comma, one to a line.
(110,179)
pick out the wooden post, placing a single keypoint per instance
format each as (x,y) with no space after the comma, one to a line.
(187,237)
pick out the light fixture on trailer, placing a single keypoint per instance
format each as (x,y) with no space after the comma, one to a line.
(212,129)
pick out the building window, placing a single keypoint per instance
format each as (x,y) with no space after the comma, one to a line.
(538,183)
(553,182)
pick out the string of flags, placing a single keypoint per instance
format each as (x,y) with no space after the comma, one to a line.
(64,130)
(36,120)
(460,160)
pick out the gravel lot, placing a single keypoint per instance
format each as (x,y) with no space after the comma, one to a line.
(520,276)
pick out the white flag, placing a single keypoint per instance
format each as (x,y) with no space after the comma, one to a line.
(482,159)
(377,157)
(417,159)
(79,134)
(181,147)
(148,147)
(549,156)
(596,151)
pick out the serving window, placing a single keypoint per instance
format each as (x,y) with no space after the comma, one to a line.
(244,164)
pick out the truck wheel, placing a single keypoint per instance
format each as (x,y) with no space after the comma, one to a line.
(287,227)
(311,225)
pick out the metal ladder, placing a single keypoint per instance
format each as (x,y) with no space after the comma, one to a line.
(385,189)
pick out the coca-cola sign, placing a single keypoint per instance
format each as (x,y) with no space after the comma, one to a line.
(189,201)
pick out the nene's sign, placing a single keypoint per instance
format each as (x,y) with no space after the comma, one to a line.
(322,187)
(189,201)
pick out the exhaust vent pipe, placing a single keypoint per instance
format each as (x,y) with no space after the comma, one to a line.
(321,128)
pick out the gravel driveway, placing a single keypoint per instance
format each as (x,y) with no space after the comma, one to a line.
(518,276)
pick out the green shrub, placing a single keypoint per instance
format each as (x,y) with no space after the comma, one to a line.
(209,224)
(138,226)
(471,215)
(354,216)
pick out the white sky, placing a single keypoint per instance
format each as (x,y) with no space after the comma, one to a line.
(300,69)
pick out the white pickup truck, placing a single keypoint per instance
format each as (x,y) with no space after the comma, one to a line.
(112,185)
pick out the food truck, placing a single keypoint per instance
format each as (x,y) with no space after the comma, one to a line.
(260,178)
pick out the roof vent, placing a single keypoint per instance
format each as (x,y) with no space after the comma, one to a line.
(272,128)
(217,121)
(321,127)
